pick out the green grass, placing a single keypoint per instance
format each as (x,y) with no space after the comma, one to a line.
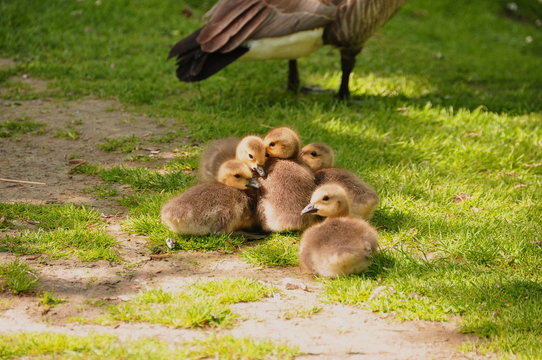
(230,291)
(88,245)
(202,305)
(17,277)
(62,346)
(68,134)
(452,106)
(102,191)
(138,177)
(277,250)
(301,312)
(23,125)
(62,230)
(124,144)
(49,300)
(181,310)
(49,217)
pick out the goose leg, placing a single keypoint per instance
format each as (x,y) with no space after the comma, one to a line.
(348,61)
(293,76)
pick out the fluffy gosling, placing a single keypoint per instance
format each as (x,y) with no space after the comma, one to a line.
(221,206)
(250,150)
(288,185)
(341,244)
(320,158)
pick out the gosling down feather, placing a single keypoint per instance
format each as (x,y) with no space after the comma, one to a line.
(288,185)
(319,158)
(341,244)
(216,207)
(250,150)
(280,29)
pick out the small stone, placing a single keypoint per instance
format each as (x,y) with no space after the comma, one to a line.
(292,284)
(170,242)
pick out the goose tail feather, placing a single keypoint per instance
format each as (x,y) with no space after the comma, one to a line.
(194,64)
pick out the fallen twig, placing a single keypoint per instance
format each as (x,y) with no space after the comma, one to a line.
(22,181)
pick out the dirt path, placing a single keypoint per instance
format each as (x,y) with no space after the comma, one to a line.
(336,332)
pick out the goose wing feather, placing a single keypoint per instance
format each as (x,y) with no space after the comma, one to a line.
(232,22)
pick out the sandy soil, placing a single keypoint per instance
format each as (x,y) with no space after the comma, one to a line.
(336,332)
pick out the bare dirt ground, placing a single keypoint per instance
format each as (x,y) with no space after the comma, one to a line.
(336,332)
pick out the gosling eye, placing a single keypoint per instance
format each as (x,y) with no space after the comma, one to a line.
(266,155)
(325,198)
(237,175)
(250,156)
(272,144)
(314,154)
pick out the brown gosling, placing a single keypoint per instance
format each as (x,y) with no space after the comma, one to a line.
(341,244)
(221,206)
(283,143)
(250,150)
(287,187)
(320,158)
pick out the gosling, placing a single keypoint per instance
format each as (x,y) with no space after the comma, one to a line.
(341,244)
(221,206)
(283,143)
(320,158)
(250,150)
(288,185)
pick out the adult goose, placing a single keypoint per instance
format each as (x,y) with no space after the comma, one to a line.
(280,29)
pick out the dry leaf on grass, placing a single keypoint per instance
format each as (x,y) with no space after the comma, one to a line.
(461,197)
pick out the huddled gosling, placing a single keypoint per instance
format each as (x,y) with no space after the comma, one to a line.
(320,158)
(250,150)
(282,143)
(288,185)
(341,244)
(221,206)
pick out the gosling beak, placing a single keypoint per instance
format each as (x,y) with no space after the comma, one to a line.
(260,170)
(309,209)
(253,183)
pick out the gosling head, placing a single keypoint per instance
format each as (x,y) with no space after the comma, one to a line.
(317,156)
(329,200)
(282,142)
(237,174)
(251,151)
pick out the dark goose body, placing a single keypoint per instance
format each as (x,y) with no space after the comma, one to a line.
(280,29)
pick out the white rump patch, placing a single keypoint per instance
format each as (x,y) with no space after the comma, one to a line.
(287,47)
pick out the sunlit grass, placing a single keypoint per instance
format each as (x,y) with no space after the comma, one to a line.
(49,300)
(17,277)
(62,346)
(201,305)
(56,230)
(277,250)
(448,132)
(49,217)
(88,245)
